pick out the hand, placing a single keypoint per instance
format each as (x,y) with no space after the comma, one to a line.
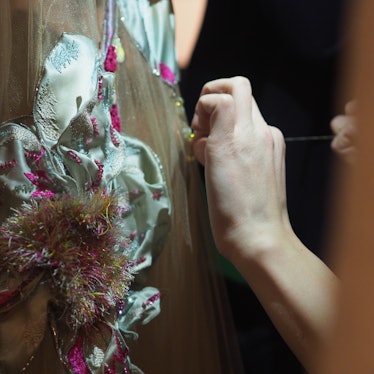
(344,127)
(244,162)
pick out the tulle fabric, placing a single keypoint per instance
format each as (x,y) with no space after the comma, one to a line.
(194,332)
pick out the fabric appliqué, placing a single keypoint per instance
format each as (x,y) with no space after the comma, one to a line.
(89,207)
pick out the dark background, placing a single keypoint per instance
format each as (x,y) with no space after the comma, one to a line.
(291,51)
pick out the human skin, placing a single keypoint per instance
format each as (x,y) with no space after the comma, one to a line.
(244,166)
(344,127)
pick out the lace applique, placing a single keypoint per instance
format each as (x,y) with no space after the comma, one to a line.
(115,161)
(44,112)
(22,134)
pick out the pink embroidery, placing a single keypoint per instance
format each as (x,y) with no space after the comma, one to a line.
(47,193)
(113,136)
(135,262)
(42,174)
(95,126)
(35,156)
(157,195)
(166,73)
(110,63)
(8,164)
(76,358)
(34,179)
(6,296)
(134,193)
(39,180)
(132,235)
(121,357)
(115,117)
(100,171)
(152,299)
(99,176)
(74,157)
(100,89)
(42,152)
(140,260)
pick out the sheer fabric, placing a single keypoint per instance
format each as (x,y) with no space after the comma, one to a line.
(193,332)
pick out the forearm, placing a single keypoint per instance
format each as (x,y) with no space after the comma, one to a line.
(296,289)
(244,162)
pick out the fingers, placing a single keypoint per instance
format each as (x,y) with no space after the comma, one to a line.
(344,128)
(342,145)
(343,124)
(214,118)
(223,102)
(213,109)
(225,106)
(238,88)
(244,162)
(198,147)
(351,107)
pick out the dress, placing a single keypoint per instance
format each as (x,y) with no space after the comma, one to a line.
(96,179)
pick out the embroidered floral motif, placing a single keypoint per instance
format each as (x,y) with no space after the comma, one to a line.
(63,55)
(87,247)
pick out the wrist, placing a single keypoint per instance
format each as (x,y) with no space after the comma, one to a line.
(248,247)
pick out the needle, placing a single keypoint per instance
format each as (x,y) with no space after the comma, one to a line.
(308,138)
